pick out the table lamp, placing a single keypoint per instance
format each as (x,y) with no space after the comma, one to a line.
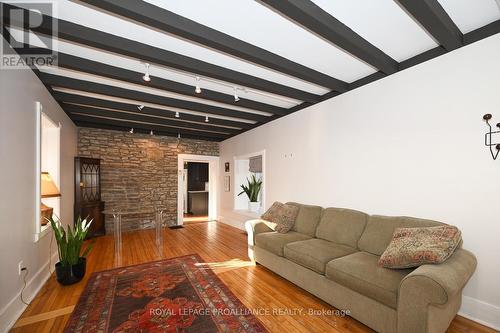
(49,190)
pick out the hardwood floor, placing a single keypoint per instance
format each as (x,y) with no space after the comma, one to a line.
(222,246)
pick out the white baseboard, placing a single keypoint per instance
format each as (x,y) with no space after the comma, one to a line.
(232,222)
(481,312)
(14,309)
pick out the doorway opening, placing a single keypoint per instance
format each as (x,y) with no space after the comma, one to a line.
(197,188)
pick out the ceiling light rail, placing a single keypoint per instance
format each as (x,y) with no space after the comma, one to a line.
(198,80)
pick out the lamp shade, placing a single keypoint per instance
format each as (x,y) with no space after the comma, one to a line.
(49,188)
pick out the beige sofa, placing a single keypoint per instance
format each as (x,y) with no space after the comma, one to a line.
(333,253)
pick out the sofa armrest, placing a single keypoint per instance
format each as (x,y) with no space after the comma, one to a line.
(255,227)
(432,284)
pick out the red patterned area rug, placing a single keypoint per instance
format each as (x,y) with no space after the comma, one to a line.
(174,295)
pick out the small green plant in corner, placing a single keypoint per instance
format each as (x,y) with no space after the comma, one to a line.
(69,243)
(252,189)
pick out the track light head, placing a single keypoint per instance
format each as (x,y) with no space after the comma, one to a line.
(236,97)
(131,131)
(198,88)
(146,76)
(151,133)
(140,107)
(177,115)
(206,119)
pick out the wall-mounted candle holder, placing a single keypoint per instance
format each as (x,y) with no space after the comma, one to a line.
(488,137)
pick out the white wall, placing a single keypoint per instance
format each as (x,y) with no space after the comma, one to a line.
(410,144)
(19,90)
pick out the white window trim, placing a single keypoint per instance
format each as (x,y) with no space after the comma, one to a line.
(263,190)
(40,231)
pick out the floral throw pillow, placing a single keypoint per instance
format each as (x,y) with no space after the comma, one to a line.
(413,247)
(282,215)
(273,212)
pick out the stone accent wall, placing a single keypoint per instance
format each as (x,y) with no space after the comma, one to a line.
(139,171)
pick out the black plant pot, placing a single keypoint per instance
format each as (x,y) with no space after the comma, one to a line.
(67,275)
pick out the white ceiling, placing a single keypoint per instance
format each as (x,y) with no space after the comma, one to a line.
(81,14)
(256,24)
(383,23)
(469,15)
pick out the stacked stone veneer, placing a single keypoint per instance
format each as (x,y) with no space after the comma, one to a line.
(138,171)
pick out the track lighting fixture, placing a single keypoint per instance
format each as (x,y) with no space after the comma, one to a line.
(197,89)
(131,131)
(236,98)
(206,119)
(151,133)
(177,115)
(140,107)
(146,76)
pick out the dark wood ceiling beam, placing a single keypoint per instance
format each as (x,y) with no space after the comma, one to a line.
(122,46)
(320,22)
(97,68)
(63,97)
(483,32)
(81,121)
(148,117)
(432,16)
(98,88)
(169,22)
(145,117)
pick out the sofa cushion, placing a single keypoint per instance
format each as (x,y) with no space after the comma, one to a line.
(413,247)
(379,230)
(274,241)
(307,219)
(342,226)
(315,253)
(282,216)
(273,212)
(360,272)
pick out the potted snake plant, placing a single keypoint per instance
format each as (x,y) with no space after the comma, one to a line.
(72,262)
(252,190)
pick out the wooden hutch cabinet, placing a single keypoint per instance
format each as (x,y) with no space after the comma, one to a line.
(88,194)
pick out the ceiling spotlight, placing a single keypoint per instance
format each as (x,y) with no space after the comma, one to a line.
(146,76)
(131,131)
(140,107)
(177,115)
(236,98)
(151,133)
(206,119)
(178,135)
(197,89)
